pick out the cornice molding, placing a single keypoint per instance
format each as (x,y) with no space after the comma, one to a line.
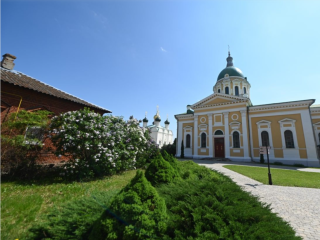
(212,96)
(184,116)
(278,106)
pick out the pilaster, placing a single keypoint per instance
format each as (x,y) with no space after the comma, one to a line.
(210,135)
(195,138)
(226,138)
(245,133)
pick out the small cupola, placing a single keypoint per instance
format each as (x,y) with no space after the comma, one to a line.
(145,121)
(166,122)
(157,118)
(189,110)
(7,61)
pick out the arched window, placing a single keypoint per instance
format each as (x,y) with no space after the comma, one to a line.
(218,132)
(226,91)
(188,141)
(288,137)
(203,140)
(236,90)
(244,90)
(236,140)
(219,90)
(265,138)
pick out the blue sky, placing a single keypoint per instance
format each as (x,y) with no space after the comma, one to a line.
(130,56)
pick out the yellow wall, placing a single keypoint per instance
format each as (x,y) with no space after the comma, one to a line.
(303,153)
(203,153)
(275,129)
(235,154)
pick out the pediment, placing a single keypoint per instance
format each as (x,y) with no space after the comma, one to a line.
(218,99)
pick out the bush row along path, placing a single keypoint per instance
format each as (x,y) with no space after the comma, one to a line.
(298,206)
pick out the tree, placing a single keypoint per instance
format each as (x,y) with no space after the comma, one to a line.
(99,145)
(182,149)
(22,137)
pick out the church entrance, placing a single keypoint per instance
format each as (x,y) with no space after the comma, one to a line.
(219,147)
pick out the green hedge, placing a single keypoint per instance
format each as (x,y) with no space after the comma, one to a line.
(137,212)
(160,171)
(207,205)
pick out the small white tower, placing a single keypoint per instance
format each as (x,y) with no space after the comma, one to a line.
(166,123)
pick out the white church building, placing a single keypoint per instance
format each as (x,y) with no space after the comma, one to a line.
(161,135)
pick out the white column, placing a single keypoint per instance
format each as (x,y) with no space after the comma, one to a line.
(195,137)
(179,138)
(245,133)
(226,134)
(210,136)
(309,135)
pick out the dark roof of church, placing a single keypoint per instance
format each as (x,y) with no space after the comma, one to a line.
(22,80)
(231,71)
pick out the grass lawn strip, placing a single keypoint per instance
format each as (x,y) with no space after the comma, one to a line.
(281,177)
(22,204)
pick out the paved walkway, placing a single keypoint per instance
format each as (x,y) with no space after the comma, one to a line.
(298,206)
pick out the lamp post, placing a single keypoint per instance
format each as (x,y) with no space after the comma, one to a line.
(265,150)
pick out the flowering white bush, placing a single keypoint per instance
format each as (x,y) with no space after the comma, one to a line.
(99,145)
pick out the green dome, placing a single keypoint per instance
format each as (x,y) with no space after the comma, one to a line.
(232,71)
(145,119)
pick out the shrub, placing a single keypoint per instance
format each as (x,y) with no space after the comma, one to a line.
(72,220)
(160,171)
(169,148)
(299,165)
(214,207)
(137,212)
(182,149)
(278,163)
(172,160)
(99,145)
(19,151)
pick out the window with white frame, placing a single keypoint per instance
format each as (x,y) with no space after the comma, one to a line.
(188,141)
(203,140)
(244,90)
(288,137)
(236,90)
(265,134)
(288,133)
(265,138)
(218,132)
(236,139)
(226,91)
(33,135)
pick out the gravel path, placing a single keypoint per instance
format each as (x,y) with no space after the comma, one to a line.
(298,206)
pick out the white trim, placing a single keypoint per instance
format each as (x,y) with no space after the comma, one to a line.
(268,130)
(179,138)
(309,135)
(232,143)
(275,114)
(226,133)
(315,117)
(210,135)
(195,138)
(221,111)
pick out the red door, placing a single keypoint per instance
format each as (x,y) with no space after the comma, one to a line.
(219,147)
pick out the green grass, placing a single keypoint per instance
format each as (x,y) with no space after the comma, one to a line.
(23,203)
(281,177)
